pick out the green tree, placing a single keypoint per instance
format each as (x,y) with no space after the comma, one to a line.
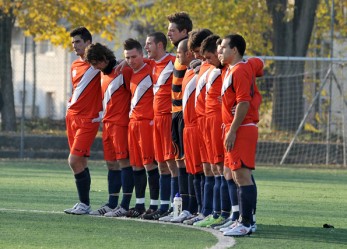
(50,20)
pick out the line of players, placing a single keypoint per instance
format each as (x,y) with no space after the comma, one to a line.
(183,124)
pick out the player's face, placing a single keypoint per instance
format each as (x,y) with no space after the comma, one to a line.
(134,58)
(151,48)
(212,58)
(100,65)
(197,54)
(174,34)
(79,45)
(181,55)
(225,53)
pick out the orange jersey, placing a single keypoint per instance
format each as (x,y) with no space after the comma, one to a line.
(162,83)
(176,92)
(188,102)
(116,96)
(141,87)
(239,86)
(86,90)
(200,93)
(213,89)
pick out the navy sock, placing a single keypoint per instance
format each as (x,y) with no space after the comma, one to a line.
(247,196)
(114,186)
(140,182)
(197,188)
(225,199)
(208,195)
(255,200)
(234,200)
(153,182)
(127,186)
(165,184)
(193,205)
(202,187)
(174,187)
(216,196)
(183,187)
(83,182)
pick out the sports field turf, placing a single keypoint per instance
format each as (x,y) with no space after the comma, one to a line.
(293,205)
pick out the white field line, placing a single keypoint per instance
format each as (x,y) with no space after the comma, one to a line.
(223,241)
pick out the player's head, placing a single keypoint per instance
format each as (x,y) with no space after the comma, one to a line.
(98,55)
(180,25)
(81,38)
(208,49)
(195,39)
(133,53)
(156,45)
(183,54)
(231,48)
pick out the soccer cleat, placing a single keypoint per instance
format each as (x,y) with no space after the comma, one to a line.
(196,218)
(217,221)
(135,212)
(148,211)
(254,227)
(117,212)
(166,218)
(203,223)
(101,211)
(68,211)
(238,230)
(227,222)
(154,215)
(231,226)
(81,208)
(184,215)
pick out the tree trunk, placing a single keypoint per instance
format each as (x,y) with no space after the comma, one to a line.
(290,38)
(8,115)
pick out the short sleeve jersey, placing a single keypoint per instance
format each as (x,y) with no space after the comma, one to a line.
(188,102)
(213,90)
(116,96)
(176,92)
(86,90)
(239,86)
(200,94)
(141,87)
(162,73)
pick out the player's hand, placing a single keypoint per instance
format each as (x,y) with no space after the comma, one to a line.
(98,119)
(195,64)
(233,110)
(120,66)
(229,140)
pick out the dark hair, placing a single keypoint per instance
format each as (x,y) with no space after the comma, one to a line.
(131,43)
(219,41)
(209,44)
(83,32)
(237,41)
(159,37)
(98,52)
(197,37)
(182,20)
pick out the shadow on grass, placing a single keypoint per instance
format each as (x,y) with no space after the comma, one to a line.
(308,234)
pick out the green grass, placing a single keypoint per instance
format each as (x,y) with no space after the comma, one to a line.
(293,205)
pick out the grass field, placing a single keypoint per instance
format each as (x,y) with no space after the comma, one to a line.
(293,205)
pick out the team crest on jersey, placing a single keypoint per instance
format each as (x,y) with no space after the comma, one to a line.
(74,72)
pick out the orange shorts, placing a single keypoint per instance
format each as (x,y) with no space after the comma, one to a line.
(162,138)
(202,128)
(140,139)
(115,141)
(192,141)
(214,138)
(244,151)
(81,133)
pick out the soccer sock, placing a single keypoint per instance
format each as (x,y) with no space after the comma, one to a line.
(174,187)
(247,196)
(114,186)
(255,202)
(208,195)
(216,197)
(183,187)
(83,182)
(127,186)
(234,200)
(165,184)
(153,182)
(197,189)
(193,205)
(140,182)
(225,199)
(202,187)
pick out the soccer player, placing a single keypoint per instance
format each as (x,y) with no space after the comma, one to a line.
(180,25)
(140,133)
(241,132)
(115,117)
(164,151)
(82,118)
